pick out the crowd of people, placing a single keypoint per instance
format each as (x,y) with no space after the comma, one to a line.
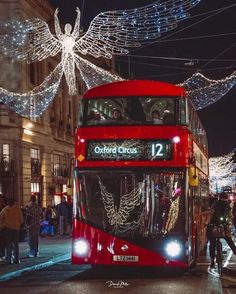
(33,221)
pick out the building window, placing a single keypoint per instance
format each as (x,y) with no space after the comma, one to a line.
(34,187)
(6,152)
(35,154)
(35,162)
(5,158)
(56,165)
(59,165)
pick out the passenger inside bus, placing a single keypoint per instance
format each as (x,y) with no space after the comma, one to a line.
(95,115)
(156,117)
(117,114)
(168,118)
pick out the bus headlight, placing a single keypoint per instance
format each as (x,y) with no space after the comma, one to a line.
(81,247)
(173,248)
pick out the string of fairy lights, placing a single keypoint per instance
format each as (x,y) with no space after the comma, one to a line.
(35,102)
(222,171)
(204,92)
(200,89)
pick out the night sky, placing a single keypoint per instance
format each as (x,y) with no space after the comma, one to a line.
(214,56)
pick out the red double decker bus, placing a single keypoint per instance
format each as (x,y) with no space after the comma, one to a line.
(140,177)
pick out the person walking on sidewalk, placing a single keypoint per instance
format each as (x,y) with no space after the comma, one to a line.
(222,215)
(34,216)
(12,218)
(63,213)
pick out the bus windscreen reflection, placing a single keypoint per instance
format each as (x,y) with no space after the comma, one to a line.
(133,205)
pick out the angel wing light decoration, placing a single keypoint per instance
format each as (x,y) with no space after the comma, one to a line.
(204,92)
(109,33)
(118,217)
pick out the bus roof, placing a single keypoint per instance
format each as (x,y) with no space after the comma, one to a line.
(135,88)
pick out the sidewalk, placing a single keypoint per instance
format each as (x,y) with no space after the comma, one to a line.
(51,250)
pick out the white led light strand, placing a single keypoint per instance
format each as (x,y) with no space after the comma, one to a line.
(112,32)
(36,101)
(222,170)
(172,215)
(117,217)
(109,33)
(93,75)
(204,92)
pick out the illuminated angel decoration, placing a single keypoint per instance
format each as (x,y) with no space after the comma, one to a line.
(109,33)
(69,43)
(118,217)
(204,92)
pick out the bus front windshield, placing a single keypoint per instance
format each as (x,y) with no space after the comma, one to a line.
(134,110)
(131,205)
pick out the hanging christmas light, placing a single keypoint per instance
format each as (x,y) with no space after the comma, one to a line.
(118,217)
(35,102)
(204,92)
(93,75)
(222,170)
(109,33)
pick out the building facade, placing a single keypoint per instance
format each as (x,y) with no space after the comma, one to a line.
(36,155)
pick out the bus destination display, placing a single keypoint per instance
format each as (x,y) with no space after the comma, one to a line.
(129,150)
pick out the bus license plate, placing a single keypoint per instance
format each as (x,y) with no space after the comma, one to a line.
(125,258)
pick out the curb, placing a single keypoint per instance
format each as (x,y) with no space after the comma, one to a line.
(35,267)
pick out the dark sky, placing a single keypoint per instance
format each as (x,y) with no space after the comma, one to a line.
(214,56)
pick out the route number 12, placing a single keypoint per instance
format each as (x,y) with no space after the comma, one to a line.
(157,150)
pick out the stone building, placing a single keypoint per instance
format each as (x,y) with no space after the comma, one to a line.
(36,155)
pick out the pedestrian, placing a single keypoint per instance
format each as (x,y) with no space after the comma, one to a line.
(234,217)
(156,117)
(63,214)
(55,219)
(12,218)
(22,229)
(222,216)
(33,220)
(2,238)
(43,224)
